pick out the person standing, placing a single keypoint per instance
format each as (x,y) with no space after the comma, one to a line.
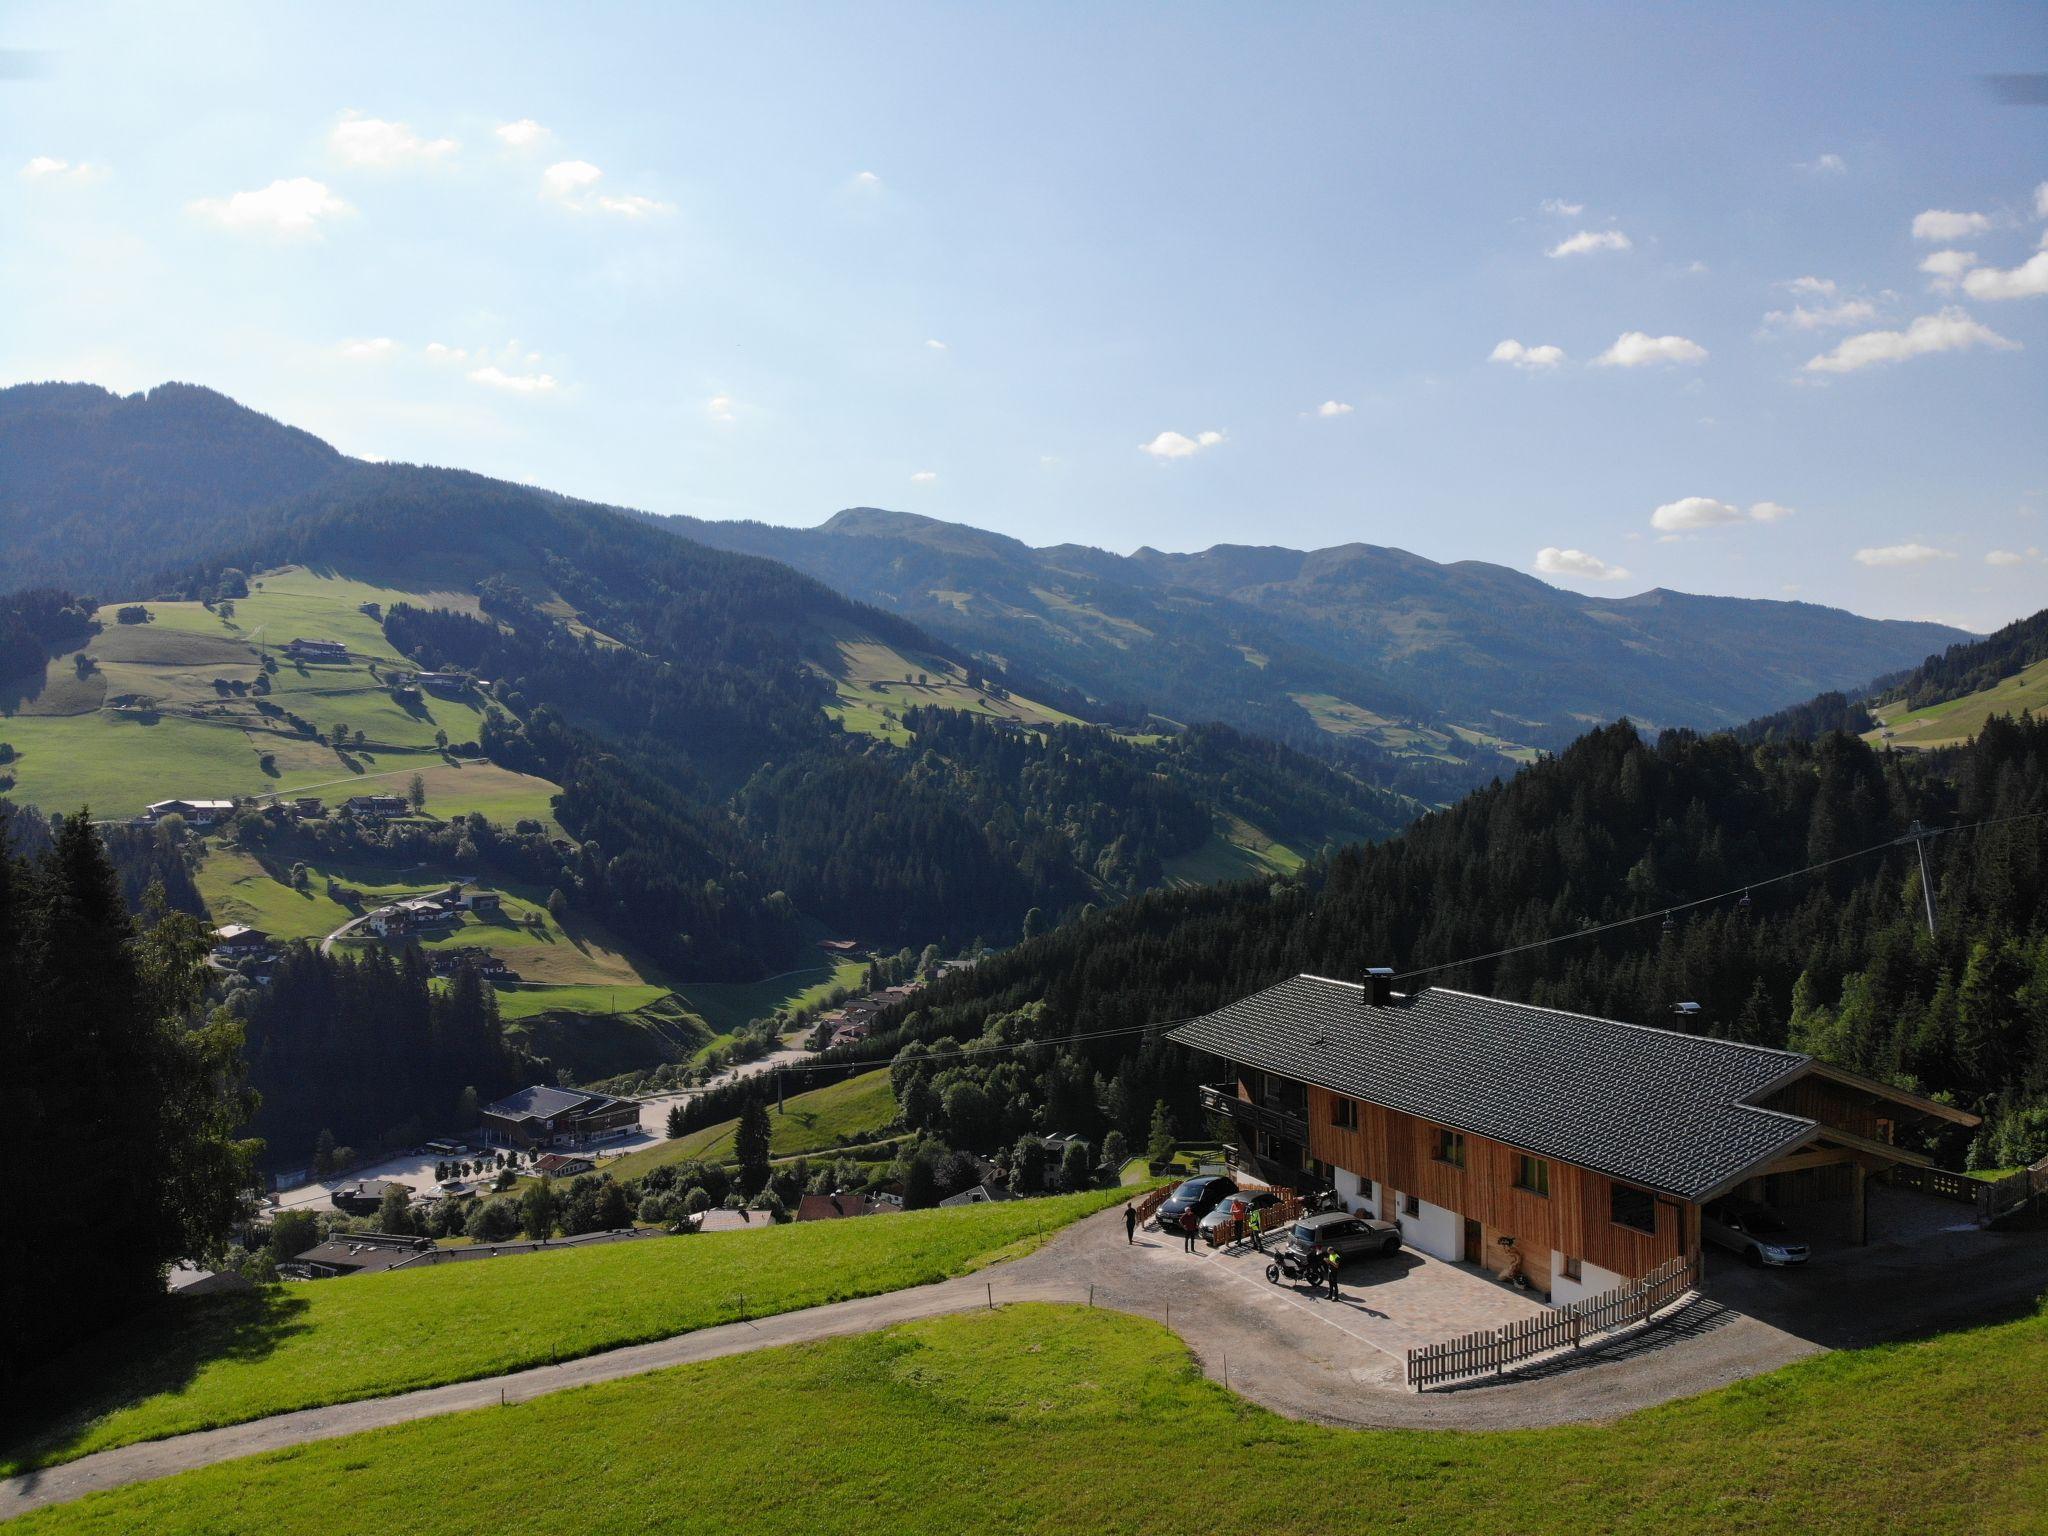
(1188,1228)
(1238,1207)
(1130,1223)
(1258,1225)
(1330,1262)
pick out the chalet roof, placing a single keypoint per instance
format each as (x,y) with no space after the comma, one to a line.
(1653,1107)
(544,1103)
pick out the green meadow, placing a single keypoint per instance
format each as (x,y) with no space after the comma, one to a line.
(193,1364)
(813,1121)
(1042,1418)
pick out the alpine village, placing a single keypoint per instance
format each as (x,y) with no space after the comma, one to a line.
(1196,989)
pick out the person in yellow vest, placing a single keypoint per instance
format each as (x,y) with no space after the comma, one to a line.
(1330,1261)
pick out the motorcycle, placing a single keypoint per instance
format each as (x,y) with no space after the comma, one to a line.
(1287,1263)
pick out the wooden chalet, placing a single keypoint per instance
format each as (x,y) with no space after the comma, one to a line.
(1590,1144)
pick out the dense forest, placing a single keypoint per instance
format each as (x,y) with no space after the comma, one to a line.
(1837,962)
(1969,667)
(129,1091)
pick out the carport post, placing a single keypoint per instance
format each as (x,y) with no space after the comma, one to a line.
(1860,1182)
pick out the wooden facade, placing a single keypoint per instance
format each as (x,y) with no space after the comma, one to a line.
(1575,1217)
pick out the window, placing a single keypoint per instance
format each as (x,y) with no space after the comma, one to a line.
(1532,1174)
(1411,1205)
(1635,1209)
(1344,1114)
(1571,1269)
(1450,1148)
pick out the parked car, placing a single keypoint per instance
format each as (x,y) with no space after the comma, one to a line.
(1353,1237)
(1226,1209)
(1754,1231)
(1199,1195)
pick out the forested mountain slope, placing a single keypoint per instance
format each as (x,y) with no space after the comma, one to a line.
(1837,962)
(1374,649)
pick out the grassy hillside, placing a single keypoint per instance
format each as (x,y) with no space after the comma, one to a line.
(167,708)
(223,1360)
(808,1122)
(873,682)
(1945,724)
(1047,1418)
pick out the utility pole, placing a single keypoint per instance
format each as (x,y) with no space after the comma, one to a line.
(778,1090)
(1917,835)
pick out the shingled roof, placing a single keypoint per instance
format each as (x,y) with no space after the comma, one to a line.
(542,1103)
(1654,1107)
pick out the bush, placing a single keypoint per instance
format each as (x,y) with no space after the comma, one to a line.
(493,1221)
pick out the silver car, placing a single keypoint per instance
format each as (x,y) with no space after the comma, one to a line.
(1754,1231)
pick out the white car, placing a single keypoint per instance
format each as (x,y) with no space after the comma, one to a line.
(1754,1231)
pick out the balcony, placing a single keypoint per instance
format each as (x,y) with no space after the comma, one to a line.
(1282,1123)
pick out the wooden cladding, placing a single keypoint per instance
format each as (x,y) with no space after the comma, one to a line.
(1836,1104)
(1575,1217)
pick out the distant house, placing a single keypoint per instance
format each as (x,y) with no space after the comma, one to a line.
(549,1117)
(316,650)
(309,805)
(375,806)
(365,1196)
(443,682)
(446,962)
(837,1207)
(981,1194)
(239,939)
(389,922)
(564,1165)
(482,901)
(201,813)
(356,1254)
(839,946)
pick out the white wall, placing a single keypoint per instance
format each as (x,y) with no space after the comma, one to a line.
(1356,1192)
(1437,1232)
(1591,1282)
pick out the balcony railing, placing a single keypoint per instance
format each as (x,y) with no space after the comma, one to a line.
(1264,1117)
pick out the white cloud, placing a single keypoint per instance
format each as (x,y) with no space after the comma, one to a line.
(2026,281)
(49,168)
(1693,512)
(1636,349)
(1947,268)
(567,179)
(1940,224)
(1175,445)
(1819,287)
(1825,165)
(867,179)
(524,134)
(1559,208)
(1591,240)
(1950,331)
(2005,557)
(513,383)
(369,347)
(631,205)
(924,477)
(295,206)
(1514,352)
(1901,554)
(1333,408)
(2041,201)
(1552,561)
(935,345)
(720,408)
(441,352)
(372,141)
(1800,318)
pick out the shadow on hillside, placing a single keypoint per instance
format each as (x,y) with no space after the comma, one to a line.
(161,1351)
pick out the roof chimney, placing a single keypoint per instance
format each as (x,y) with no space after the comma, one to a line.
(1379,986)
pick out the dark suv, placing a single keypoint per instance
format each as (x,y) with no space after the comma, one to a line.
(1353,1237)
(1198,1195)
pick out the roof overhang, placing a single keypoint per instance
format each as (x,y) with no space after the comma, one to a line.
(1913,1101)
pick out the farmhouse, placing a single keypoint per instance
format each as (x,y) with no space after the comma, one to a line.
(239,939)
(838,1206)
(981,1194)
(358,1253)
(563,1165)
(443,682)
(1589,1145)
(364,1197)
(482,902)
(549,1117)
(316,650)
(373,806)
(201,813)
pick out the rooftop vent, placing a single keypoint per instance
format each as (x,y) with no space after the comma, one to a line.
(1683,1011)
(1379,986)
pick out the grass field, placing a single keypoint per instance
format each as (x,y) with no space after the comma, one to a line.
(157,718)
(808,1122)
(1941,725)
(871,678)
(1237,851)
(223,1360)
(729,1005)
(1041,1418)
(1340,717)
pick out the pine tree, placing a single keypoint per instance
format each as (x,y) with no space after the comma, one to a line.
(750,1146)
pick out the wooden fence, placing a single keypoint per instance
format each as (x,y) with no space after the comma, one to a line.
(1993,1199)
(1274,1219)
(1495,1349)
(1151,1203)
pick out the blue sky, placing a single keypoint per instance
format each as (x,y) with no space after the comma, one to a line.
(1773,276)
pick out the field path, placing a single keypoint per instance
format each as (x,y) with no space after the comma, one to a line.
(1332,1363)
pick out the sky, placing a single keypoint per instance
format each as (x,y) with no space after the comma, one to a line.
(1742,300)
